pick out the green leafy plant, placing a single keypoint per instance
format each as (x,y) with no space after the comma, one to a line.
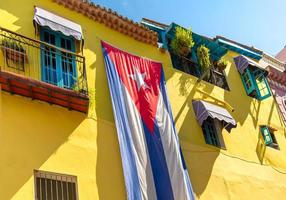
(203,55)
(221,64)
(12,45)
(183,42)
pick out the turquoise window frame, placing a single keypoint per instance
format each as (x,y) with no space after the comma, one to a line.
(59,59)
(249,80)
(266,135)
(261,75)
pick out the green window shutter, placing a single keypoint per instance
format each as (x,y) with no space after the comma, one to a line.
(266,135)
(248,81)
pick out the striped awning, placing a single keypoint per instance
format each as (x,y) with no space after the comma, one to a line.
(203,110)
(56,23)
(242,62)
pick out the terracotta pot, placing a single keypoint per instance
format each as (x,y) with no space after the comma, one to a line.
(184,51)
(15,56)
(220,66)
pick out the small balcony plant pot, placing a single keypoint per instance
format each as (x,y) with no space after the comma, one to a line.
(182,43)
(16,56)
(184,51)
(14,52)
(221,64)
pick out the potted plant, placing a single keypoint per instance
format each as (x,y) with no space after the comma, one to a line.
(182,43)
(203,56)
(14,51)
(221,64)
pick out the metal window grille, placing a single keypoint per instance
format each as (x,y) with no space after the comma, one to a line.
(53,186)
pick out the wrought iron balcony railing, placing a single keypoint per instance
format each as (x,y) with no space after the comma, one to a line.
(42,61)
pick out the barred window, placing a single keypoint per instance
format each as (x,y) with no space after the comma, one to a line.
(53,186)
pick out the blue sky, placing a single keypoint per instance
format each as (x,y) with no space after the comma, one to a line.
(259,23)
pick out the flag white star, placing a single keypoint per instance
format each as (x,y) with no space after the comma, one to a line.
(139,78)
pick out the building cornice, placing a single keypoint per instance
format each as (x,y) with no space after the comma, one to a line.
(112,20)
(273,62)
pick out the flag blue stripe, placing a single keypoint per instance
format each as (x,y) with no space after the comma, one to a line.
(123,130)
(158,164)
(168,106)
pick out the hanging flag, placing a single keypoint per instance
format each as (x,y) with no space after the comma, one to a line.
(152,162)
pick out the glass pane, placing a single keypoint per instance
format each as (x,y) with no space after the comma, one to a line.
(38,184)
(49,62)
(60,192)
(54,189)
(262,86)
(210,133)
(49,189)
(43,188)
(65,192)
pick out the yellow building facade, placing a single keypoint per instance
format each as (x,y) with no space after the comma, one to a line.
(36,135)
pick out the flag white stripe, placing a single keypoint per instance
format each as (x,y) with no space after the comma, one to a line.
(171,150)
(140,148)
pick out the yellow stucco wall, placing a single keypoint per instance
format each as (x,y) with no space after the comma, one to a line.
(36,135)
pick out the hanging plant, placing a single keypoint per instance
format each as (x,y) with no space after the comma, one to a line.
(204,59)
(221,64)
(182,43)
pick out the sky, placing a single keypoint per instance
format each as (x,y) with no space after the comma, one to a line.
(258,23)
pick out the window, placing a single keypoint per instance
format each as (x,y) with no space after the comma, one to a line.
(284,102)
(255,83)
(55,186)
(58,67)
(269,137)
(185,64)
(212,129)
(218,78)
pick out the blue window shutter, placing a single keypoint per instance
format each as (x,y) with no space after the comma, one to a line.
(266,135)
(56,74)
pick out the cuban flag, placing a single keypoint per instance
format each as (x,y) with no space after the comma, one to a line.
(153,165)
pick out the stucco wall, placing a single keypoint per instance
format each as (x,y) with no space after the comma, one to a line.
(36,135)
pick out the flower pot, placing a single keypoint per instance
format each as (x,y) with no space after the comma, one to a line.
(184,51)
(15,55)
(220,65)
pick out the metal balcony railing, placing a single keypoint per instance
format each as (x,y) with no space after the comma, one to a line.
(42,61)
(187,65)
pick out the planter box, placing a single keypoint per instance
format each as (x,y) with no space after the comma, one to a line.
(18,58)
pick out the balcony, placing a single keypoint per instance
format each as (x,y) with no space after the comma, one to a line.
(42,71)
(188,66)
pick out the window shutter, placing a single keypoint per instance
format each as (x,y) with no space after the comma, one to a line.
(261,84)
(248,81)
(266,135)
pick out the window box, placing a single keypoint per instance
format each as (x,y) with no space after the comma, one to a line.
(14,52)
(269,137)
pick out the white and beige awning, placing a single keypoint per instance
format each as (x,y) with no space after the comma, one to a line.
(45,18)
